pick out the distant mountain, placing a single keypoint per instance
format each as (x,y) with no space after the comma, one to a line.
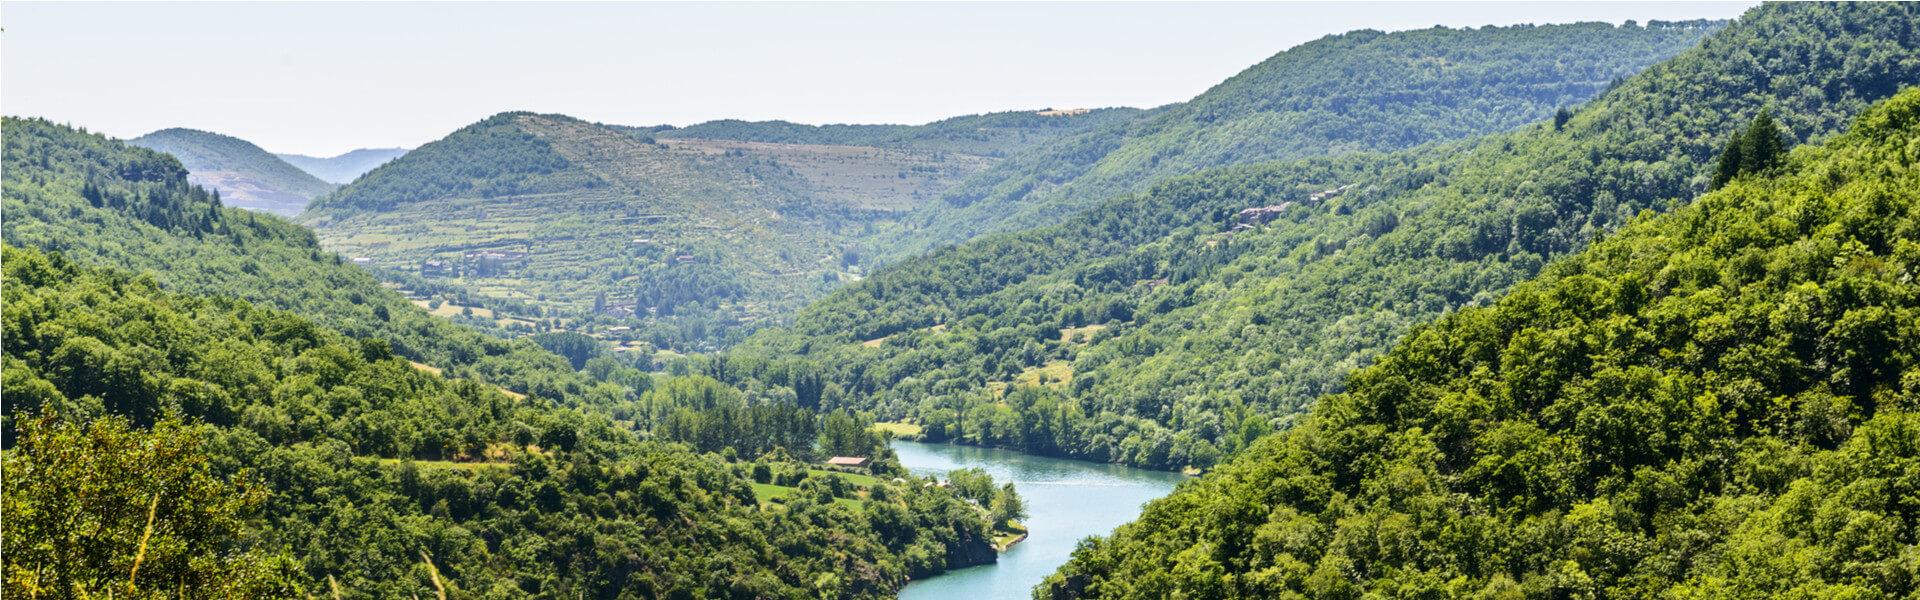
(245,175)
(346,167)
(994,134)
(1354,92)
(699,231)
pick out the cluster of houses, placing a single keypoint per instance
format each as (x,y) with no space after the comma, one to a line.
(1250,218)
(491,262)
(475,263)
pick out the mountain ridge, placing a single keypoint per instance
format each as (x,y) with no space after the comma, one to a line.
(245,175)
(343,168)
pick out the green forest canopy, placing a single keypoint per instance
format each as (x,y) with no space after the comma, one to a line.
(1718,402)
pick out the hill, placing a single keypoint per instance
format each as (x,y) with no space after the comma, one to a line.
(1363,91)
(346,167)
(1718,402)
(1169,328)
(691,239)
(245,175)
(997,135)
(291,424)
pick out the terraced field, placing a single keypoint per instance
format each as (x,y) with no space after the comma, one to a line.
(682,239)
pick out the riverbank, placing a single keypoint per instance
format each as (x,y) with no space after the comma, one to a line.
(1004,540)
(1066,500)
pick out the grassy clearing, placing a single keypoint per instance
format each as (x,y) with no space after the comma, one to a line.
(1056,373)
(769,494)
(1006,538)
(1080,335)
(898,429)
(865,481)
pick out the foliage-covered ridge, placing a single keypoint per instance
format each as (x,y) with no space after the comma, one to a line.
(1719,402)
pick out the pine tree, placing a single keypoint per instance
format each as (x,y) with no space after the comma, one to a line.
(1760,147)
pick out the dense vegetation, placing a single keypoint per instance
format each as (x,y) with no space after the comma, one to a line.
(158,523)
(344,168)
(340,464)
(1166,329)
(243,174)
(1353,92)
(1719,402)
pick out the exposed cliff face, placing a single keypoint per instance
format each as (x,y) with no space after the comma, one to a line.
(972,551)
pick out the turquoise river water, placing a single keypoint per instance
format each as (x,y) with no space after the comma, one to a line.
(1066,500)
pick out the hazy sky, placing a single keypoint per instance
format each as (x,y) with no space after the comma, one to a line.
(323,78)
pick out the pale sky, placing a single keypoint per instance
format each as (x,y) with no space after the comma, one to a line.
(324,78)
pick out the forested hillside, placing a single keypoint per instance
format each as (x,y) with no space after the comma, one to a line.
(243,174)
(1354,92)
(383,480)
(281,456)
(1715,403)
(564,224)
(101,202)
(1169,328)
(344,168)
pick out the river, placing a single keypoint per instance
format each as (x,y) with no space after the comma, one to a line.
(1066,500)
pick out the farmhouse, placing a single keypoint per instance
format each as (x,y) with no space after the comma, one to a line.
(847,463)
(1263,214)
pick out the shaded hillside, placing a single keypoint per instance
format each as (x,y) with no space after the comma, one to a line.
(346,167)
(245,175)
(1714,403)
(1168,328)
(692,239)
(1354,92)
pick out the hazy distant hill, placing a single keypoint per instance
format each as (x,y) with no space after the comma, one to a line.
(245,175)
(994,134)
(698,230)
(346,167)
(1358,91)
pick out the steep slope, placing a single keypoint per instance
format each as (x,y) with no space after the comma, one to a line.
(245,175)
(1718,402)
(1168,328)
(690,238)
(372,470)
(1354,92)
(346,167)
